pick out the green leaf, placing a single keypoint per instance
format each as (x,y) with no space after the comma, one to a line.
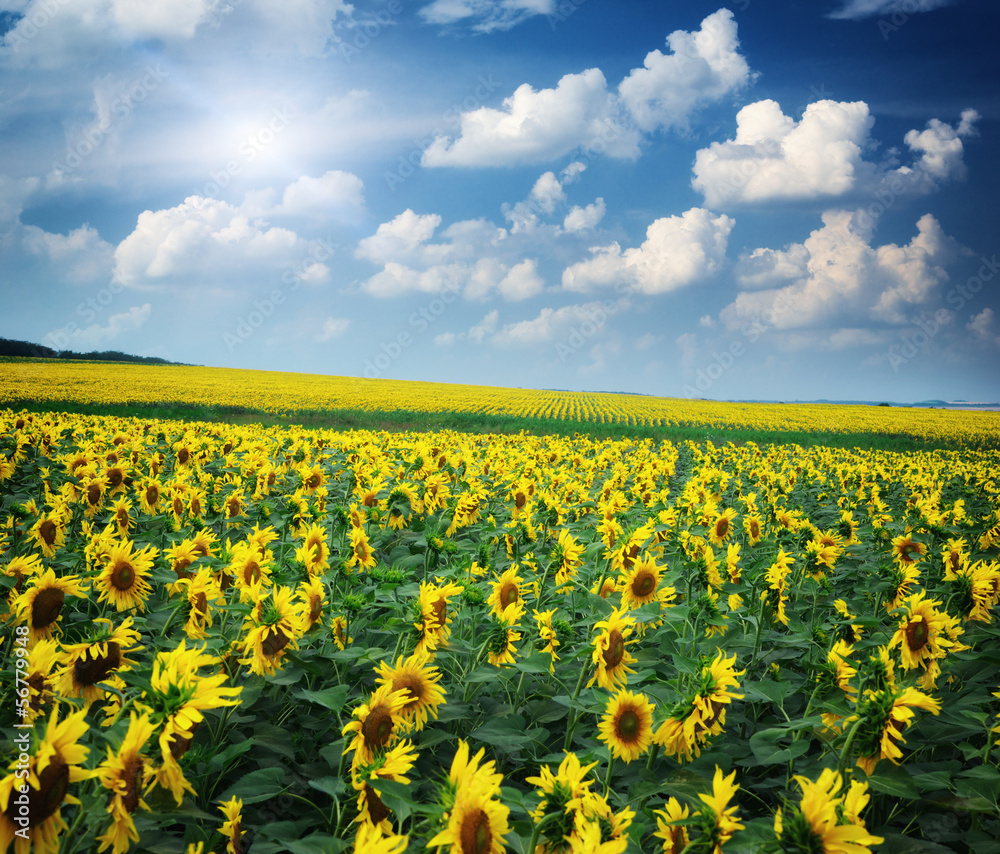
(893,780)
(537,663)
(333,786)
(257,786)
(329,698)
(395,795)
(228,754)
(764,745)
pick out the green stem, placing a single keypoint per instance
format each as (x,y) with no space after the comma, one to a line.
(573,717)
(607,780)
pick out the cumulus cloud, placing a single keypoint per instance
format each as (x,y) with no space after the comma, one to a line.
(840,281)
(534,126)
(334,194)
(485,16)
(984,327)
(677,251)
(582,219)
(548,325)
(333,327)
(96,336)
(203,242)
(856,10)
(80,257)
(702,66)
(460,260)
(774,157)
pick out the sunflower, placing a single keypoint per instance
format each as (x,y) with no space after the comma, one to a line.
(123,774)
(20,569)
(433,622)
(610,657)
(506,592)
(232,826)
(627,725)
(561,798)
(641,585)
(547,635)
(378,724)
(718,820)
(567,555)
(338,628)
(312,598)
(420,680)
(121,513)
(391,765)
(754,527)
(371,840)
(670,826)
(362,554)
(722,527)
(123,579)
(87,664)
(202,591)
(40,605)
(906,551)
(43,659)
(626,552)
(817,824)
(181,555)
(272,628)
(310,478)
(49,531)
(924,633)
(92,492)
(611,827)
(475,821)
(31,819)
(150,493)
(882,716)
(587,838)
(314,553)
(179,693)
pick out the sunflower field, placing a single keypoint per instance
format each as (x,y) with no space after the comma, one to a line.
(238,638)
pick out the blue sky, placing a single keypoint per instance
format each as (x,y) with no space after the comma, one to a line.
(764,199)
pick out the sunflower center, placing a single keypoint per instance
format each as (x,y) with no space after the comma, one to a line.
(46,607)
(123,576)
(201,604)
(183,456)
(377,811)
(644,583)
(47,531)
(520,499)
(313,481)
(132,777)
(315,609)
(440,609)
(917,634)
(179,746)
(180,567)
(722,528)
(627,726)
(907,552)
(475,834)
(412,685)
(377,728)
(90,671)
(275,642)
(629,557)
(94,493)
(615,652)
(251,572)
(754,530)
(53,783)
(508,594)
(152,495)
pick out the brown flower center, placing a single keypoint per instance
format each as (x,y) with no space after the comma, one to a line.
(275,641)
(377,811)
(508,594)
(643,584)
(475,834)
(152,495)
(413,685)
(132,777)
(440,609)
(251,572)
(615,651)
(627,726)
(47,531)
(94,494)
(314,480)
(89,671)
(46,607)
(183,455)
(122,575)
(377,728)
(722,527)
(44,801)
(179,746)
(917,633)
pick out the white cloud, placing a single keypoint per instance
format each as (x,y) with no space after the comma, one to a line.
(582,219)
(485,16)
(95,336)
(702,66)
(774,157)
(485,327)
(445,339)
(550,324)
(847,283)
(534,126)
(521,281)
(677,251)
(856,10)
(333,327)
(940,147)
(403,237)
(334,194)
(167,19)
(765,268)
(647,341)
(81,256)
(984,327)
(203,242)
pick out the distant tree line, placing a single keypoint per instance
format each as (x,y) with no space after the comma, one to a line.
(39,351)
